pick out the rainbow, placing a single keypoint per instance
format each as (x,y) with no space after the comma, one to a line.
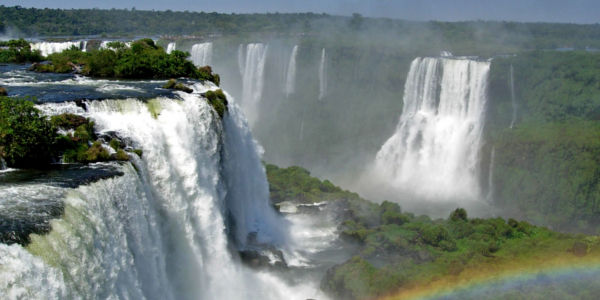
(496,279)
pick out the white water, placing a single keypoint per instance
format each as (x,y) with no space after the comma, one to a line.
(434,152)
(322,75)
(170,47)
(161,230)
(490,187)
(253,80)
(513,98)
(202,54)
(47,48)
(290,78)
(241,60)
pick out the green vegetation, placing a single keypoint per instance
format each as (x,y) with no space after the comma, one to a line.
(30,140)
(295,184)
(174,85)
(143,60)
(547,168)
(18,51)
(218,101)
(26,136)
(400,251)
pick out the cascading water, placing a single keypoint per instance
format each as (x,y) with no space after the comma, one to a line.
(240,60)
(161,230)
(170,47)
(322,75)
(253,79)
(513,98)
(202,54)
(490,187)
(434,152)
(47,48)
(290,78)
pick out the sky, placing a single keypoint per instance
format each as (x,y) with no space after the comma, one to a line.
(564,11)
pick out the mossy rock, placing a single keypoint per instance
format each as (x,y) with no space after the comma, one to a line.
(68,121)
(172,84)
(218,101)
(121,155)
(206,73)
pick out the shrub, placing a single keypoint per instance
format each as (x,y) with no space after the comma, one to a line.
(26,136)
(218,101)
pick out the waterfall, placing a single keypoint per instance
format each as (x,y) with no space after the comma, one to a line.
(2,164)
(161,230)
(490,193)
(322,76)
(170,47)
(513,98)
(434,152)
(301,129)
(253,79)
(241,59)
(84,46)
(47,48)
(290,78)
(202,54)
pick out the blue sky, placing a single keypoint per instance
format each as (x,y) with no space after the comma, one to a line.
(570,11)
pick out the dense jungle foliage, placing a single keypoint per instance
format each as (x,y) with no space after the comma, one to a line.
(455,36)
(547,167)
(398,250)
(142,60)
(18,51)
(28,139)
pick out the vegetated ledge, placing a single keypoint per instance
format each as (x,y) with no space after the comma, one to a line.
(142,60)
(398,253)
(28,139)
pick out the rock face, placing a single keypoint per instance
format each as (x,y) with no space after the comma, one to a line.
(3,91)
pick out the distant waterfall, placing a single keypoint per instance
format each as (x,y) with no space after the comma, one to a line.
(170,47)
(84,46)
(490,187)
(512,97)
(322,75)
(434,152)
(253,79)
(47,48)
(290,78)
(202,54)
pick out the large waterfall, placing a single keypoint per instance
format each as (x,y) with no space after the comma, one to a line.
(322,75)
(166,228)
(290,78)
(202,54)
(253,79)
(434,152)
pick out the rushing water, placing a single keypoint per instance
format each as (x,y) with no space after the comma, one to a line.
(434,152)
(47,48)
(323,75)
(253,79)
(512,97)
(201,54)
(290,78)
(167,225)
(170,47)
